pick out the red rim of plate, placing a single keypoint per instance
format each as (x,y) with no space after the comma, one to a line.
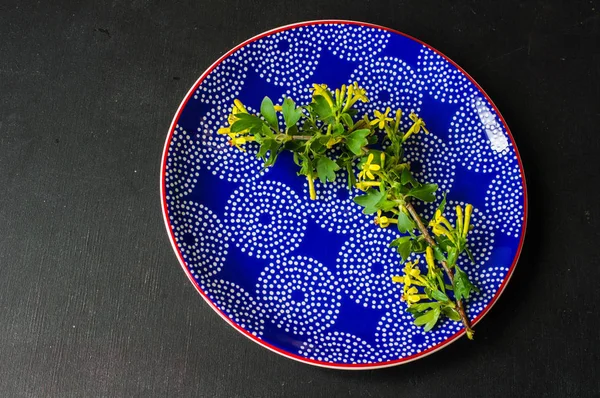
(264,343)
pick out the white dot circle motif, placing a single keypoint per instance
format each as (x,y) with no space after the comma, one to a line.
(397,336)
(356,43)
(200,237)
(266,219)
(181,173)
(217,155)
(504,201)
(335,209)
(365,266)
(430,160)
(237,304)
(488,281)
(289,57)
(478,139)
(338,347)
(389,82)
(441,79)
(224,83)
(300,295)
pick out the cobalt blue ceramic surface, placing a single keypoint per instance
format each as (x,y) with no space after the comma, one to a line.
(312,279)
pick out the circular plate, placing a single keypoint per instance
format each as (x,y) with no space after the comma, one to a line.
(311,280)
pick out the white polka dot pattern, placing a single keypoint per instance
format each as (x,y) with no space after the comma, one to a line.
(223,160)
(356,43)
(287,58)
(389,82)
(335,209)
(237,304)
(477,139)
(181,174)
(230,73)
(504,200)
(365,266)
(396,335)
(200,237)
(300,295)
(430,160)
(441,79)
(266,219)
(338,347)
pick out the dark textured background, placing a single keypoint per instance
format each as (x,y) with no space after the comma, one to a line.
(92,299)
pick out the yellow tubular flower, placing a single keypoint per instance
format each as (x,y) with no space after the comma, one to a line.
(468,211)
(367,168)
(365,185)
(278,108)
(224,130)
(381,118)
(459,220)
(382,159)
(384,221)
(239,141)
(321,89)
(342,94)
(411,296)
(429,258)
(311,188)
(418,125)
(237,104)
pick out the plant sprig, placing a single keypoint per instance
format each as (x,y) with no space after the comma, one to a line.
(329,122)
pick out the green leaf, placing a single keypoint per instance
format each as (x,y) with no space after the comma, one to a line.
(451,313)
(439,296)
(351,177)
(442,205)
(403,246)
(420,307)
(369,200)
(265,146)
(424,192)
(462,285)
(425,318)
(387,205)
(470,255)
(244,122)
(326,169)
(356,140)
(437,253)
(347,120)
(291,114)
(405,223)
(338,129)
(419,245)
(429,325)
(407,177)
(322,108)
(268,111)
(452,255)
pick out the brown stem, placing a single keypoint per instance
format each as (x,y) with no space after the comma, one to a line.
(301,137)
(429,239)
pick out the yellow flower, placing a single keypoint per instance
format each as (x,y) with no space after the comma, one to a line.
(321,89)
(224,130)
(468,211)
(278,108)
(411,296)
(381,118)
(384,221)
(441,226)
(239,141)
(429,258)
(359,93)
(459,220)
(365,185)
(418,125)
(411,269)
(368,168)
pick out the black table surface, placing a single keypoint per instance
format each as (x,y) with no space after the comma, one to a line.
(93,301)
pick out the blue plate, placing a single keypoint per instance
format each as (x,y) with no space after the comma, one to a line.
(311,280)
